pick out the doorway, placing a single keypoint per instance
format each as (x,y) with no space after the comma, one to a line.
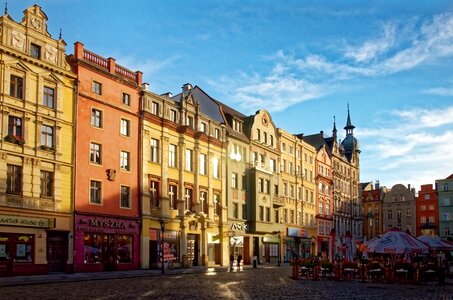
(193,249)
(57,253)
(108,252)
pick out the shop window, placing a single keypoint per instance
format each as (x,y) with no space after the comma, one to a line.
(124,249)
(16,247)
(93,246)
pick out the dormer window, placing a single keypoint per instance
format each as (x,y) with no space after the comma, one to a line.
(35,51)
(237,126)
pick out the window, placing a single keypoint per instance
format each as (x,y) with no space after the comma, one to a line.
(154,193)
(285,215)
(188,160)
(446,201)
(154,151)
(172,156)
(265,137)
(261,185)
(431,219)
(290,167)
(95,153)
(173,195)
(261,215)
(217,205)
(217,133)
(155,108)
(234,180)
(272,140)
(125,128)
(321,208)
(125,200)
(95,192)
(408,212)
(47,136)
(244,182)
(173,115)
(35,51)
(268,214)
(445,184)
(215,168)
(267,186)
(48,97)
(188,200)
(285,189)
(431,207)
(203,127)
(389,214)
(422,207)
(244,212)
(15,126)
(272,165)
(427,196)
(189,121)
(235,211)
(14,179)
(283,166)
(96,87)
(204,202)
(125,161)
(96,118)
(126,99)
(284,147)
(203,164)
(277,217)
(16,87)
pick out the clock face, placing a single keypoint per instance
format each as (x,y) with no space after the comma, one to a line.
(265,120)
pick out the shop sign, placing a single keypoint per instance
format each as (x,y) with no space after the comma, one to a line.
(27,221)
(297,232)
(238,226)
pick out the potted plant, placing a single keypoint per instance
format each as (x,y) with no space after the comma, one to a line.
(15,139)
(326,266)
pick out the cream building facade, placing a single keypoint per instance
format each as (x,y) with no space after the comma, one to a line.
(37,103)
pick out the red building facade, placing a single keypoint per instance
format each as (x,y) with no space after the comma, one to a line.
(107,208)
(427,211)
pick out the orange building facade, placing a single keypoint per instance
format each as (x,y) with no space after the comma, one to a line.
(427,210)
(107,209)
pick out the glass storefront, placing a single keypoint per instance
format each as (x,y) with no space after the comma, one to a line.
(16,247)
(107,248)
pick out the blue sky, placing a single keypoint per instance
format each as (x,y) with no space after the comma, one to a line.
(301,60)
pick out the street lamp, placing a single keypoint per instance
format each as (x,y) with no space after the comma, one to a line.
(162,229)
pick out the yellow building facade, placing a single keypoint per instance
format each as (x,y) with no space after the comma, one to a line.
(36,148)
(183,198)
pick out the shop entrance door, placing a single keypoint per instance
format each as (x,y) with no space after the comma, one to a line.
(108,252)
(57,253)
(193,248)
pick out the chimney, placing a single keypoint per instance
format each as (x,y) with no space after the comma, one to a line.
(145,86)
(186,87)
(321,133)
(168,95)
(409,186)
(376,185)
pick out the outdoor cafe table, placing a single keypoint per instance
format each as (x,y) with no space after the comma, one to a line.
(402,274)
(375,273)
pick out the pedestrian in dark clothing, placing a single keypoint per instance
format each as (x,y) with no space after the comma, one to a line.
(231,261)
(239,261)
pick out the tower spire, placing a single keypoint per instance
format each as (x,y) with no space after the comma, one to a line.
(6,7)
(349,127)
(334,130)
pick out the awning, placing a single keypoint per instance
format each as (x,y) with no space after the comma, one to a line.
(269,238)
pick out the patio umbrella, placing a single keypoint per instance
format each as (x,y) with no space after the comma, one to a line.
(435,243)
(396,241)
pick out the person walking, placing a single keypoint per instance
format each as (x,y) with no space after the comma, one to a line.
(239,261)
(231,261)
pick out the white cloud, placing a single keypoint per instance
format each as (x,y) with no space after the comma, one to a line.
(439,91)
(374,47)
(415,153)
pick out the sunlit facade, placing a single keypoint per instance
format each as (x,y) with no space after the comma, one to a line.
(36,148)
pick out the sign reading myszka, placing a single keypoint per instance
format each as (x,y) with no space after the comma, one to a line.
(26,221)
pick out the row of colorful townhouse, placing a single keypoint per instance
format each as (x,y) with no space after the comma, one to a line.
(99,173)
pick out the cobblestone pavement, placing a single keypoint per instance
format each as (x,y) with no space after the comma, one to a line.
(265,282)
